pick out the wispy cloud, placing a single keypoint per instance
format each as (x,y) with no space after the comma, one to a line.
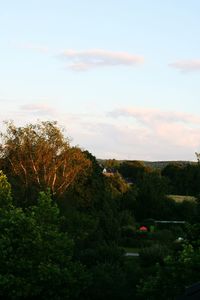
(147,115)
(177,131)
(186,65)
(89,59)
(38,109)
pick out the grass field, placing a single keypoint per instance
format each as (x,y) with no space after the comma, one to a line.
(181,198)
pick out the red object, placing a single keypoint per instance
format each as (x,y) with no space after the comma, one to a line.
(143,228)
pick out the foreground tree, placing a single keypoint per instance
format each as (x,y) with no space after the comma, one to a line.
(39,155)
(36,256)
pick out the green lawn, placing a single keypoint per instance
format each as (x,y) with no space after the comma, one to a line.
(181,198)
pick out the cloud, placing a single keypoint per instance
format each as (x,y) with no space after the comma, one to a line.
(146,115)
(38,109)
(88,59)
(85,60)
(167,129)
(186,65)
(124,133)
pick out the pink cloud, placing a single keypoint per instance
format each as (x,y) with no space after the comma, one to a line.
(169,128)
(178,134)
(85,60)
(146,115)
(186,65)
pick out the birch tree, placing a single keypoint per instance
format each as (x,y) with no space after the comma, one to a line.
(39,154)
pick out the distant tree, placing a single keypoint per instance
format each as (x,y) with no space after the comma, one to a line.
(150,201)
(117,184)
(198,157)
(133,170)
(111,163)
(174,173)
(183,179)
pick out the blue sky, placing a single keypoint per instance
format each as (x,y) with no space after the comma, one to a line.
(121,76)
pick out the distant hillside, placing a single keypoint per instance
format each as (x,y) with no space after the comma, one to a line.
(152,164)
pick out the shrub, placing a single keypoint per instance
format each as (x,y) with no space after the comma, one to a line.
(153,254)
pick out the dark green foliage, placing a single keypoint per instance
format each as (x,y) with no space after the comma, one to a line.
(101,253)
(187,210)
(165,236)
(174,173)
(109,282)
(5,192)
(193,234)
(88,190)
(128,199)
(179,270)
(127,218)
(151,197)
(133,170)
(154,254)
(80,226)
(36,256)
(183,179)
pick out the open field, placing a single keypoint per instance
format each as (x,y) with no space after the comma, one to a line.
(181,198)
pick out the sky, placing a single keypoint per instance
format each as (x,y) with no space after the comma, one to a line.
(121,76)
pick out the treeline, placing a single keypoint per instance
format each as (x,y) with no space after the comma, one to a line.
(152,187)
(183,177)
(64,224)
(183,180)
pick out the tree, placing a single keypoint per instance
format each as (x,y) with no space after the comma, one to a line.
(179,271)
(39,156)
(5,191)
(117,185)
(150,201)
(111,163)
(198,157)
(88,190)
(174,173)
(36,256)
(133,170)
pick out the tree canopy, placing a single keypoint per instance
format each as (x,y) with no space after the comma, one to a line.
(40,155)
(36,256)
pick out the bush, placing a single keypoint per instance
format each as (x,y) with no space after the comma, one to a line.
(164,236)
(153,254)
(36,258)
